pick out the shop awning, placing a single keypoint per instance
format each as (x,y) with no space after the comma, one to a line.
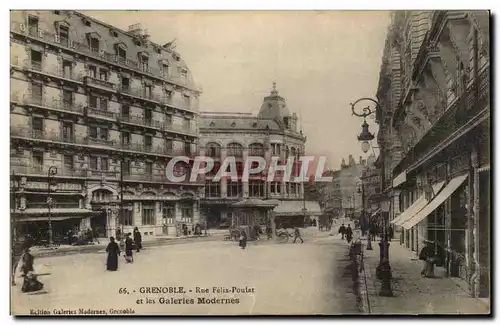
(297,207)
(437,201)
(413,209)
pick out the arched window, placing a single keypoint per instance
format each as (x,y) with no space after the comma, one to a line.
(235,149)
(256,149)
(293,152)
(213,150)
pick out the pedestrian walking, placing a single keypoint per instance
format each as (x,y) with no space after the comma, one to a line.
(129,246)
(137,239)
(30,280)
(113,251)
(70,237)
(342,230)
(428,260)
(243,239)
(297,235)
(348,233)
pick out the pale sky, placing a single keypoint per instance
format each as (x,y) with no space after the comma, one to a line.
(320,61)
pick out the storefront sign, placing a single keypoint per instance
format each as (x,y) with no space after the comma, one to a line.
(59,187)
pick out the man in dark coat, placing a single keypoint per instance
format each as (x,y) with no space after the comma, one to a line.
(390,233)
(137,239)
(243,239)
(129,246)
(342,230)
(348,233)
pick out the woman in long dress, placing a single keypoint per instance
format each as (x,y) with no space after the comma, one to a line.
(113,252)
(129,246)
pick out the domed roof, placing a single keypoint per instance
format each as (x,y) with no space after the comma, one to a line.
(274,106)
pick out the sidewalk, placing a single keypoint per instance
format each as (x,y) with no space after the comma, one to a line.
(414,294)
(149,242)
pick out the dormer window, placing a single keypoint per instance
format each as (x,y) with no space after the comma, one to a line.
(164,69)
(184,75)
(144,60)
(86,22)
(93,39)
(113,33)
(121,52)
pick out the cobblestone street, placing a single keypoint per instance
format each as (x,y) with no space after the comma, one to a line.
(288,278)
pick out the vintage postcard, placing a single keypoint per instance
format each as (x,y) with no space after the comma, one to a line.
(250,162)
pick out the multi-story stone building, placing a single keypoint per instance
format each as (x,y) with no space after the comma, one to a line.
(272,133)
(108,109)
(435,132)
(371,185)
(350,186)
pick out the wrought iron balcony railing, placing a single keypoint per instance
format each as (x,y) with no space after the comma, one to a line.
(41,170)
(56,103)
(99,82)
(53,70)
(141,121)
(101,112)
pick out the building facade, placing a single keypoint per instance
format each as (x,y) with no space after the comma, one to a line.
(272,133)
(350,186)
(371,185)
(105,109)
(434,132)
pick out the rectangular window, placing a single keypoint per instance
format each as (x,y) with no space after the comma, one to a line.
(187,148)
(37,124)
(67,131)
(103,75)
(33,25)
(165,70)
(36,60)
(104,164)
(187,213)
(148,116)
(145,63)
(127,216)
(256,188)
(169,144)
(125,138)
(103,104)
(148,92)
(93,163)
(187,100)
(168,212)
(148,141)
(149,168)
(94,44)
(68,162)
(67,69)
(125,84)
(125,111)
(36,91)
(93,101)
(148,214)
(184,76)
(67,99)
(37,160)
(92,71)
(64,35)
(122,54)
(234,189)
(168,119)
(93,132)
(126,167)
(103,133)
(212,189)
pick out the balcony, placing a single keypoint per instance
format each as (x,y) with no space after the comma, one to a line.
(139,93)
(147,148)
(180,129)
(51,70)
(99,83)
(105,142)
(40,170)
(52,103)
(158,178)
(168,101)
(141,121)
(93,111)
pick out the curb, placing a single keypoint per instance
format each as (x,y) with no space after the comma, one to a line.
(97,248)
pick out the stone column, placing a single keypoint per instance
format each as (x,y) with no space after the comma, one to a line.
(223,181)
(158,219)
(245,184)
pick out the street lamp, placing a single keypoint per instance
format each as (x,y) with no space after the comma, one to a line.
(50,181)
(361,190)
(383,269)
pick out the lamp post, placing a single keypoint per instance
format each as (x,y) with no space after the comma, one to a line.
(384,268)
(50,180)
(361,190)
